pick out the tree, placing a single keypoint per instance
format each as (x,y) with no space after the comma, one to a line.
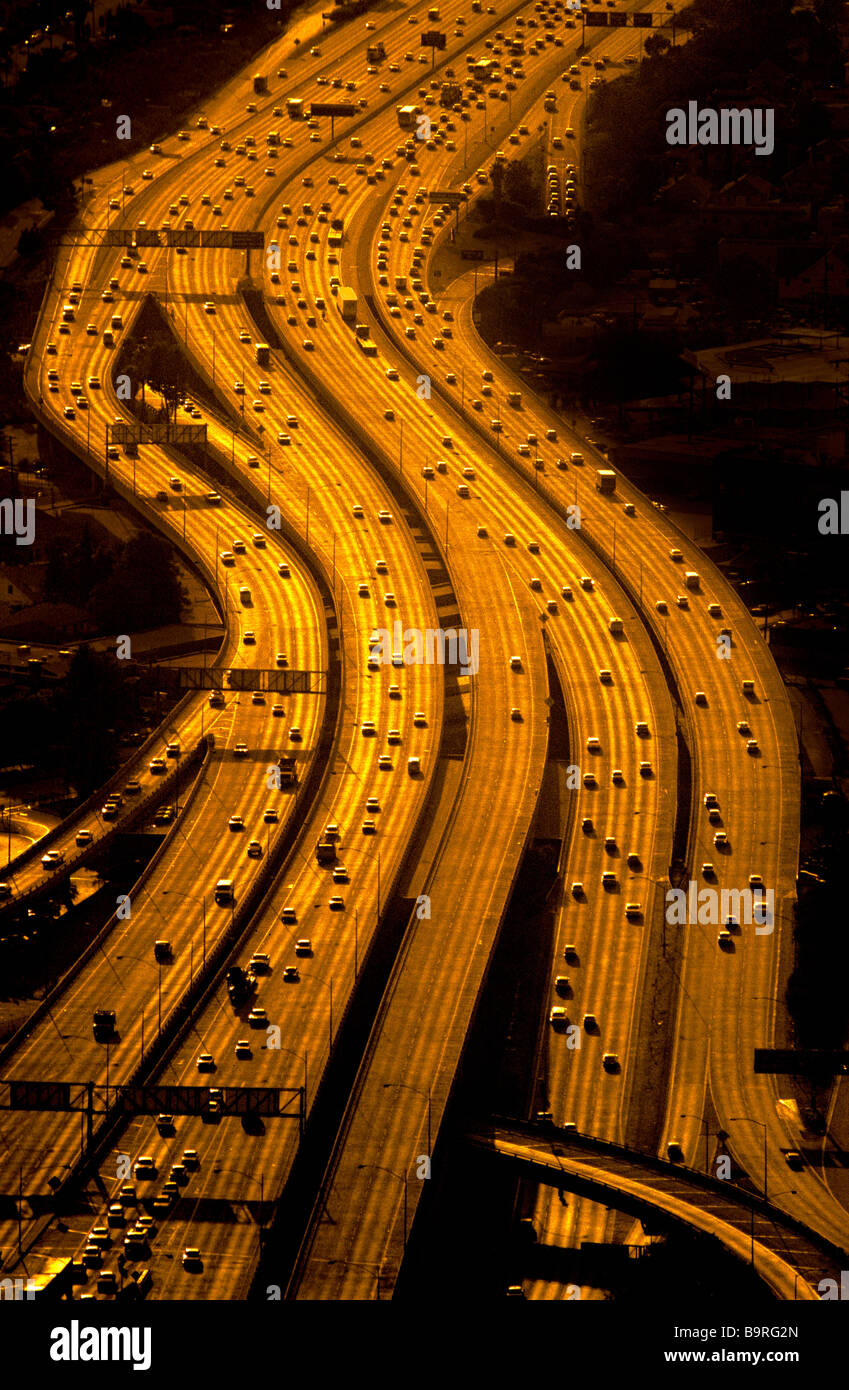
(89,707)
(168,373)
(143,589)
(654,45)
(520,186)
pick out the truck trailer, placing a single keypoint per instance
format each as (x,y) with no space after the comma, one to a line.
(346,301)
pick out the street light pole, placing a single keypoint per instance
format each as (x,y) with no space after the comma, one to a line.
(702,1120)
(378,1168)
(752,1121)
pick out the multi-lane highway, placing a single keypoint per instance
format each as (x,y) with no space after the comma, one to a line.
(412,486)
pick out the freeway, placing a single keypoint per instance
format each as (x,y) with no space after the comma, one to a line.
(791,1260)
(443,962)
(353,1245)
(768,841)
(715,748)
(354,550)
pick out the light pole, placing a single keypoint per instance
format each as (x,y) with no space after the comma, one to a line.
(371,1265)
(403,1180)
(405,1085)
(250,1177)
(305,1060)
(752,1121)
(328,985)
(192,899)
(7,812)
(702,1120)
(157,965)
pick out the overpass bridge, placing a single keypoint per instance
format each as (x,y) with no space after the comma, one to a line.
(789,1258)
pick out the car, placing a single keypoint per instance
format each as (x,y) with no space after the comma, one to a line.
(83,837)
(206,1062)
(700,697)
(164,1123)
(240,749)
(724,940)
(295,734)
(191,1257)
(53,859)
(794,1160)
(243,1048)
(720,839)
(384,516)
(633,911)
(236,823)
(646,769)
(257,1016)
(249,638)
(610,1061)
(708,870)
(752,745)
(254,850)
(336,903)
(558,1018)
(145,1166)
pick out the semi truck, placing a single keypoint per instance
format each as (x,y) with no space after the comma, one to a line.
(605,480)
(346,301)
(261,351)
(260,83)
(295,108)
